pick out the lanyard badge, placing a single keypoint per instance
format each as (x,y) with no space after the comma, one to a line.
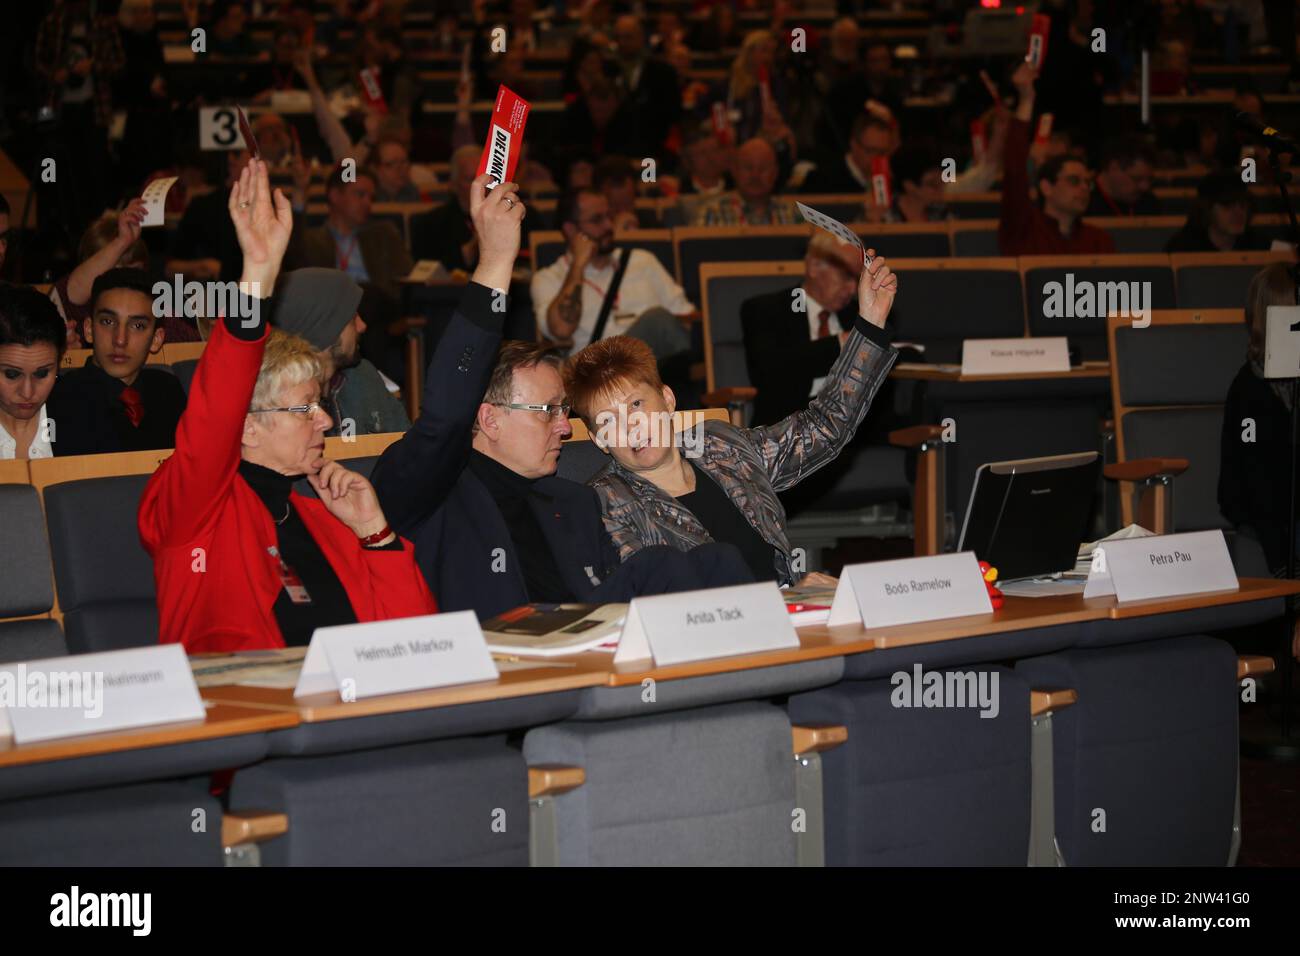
(293,585)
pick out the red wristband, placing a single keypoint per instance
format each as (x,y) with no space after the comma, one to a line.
(378,536)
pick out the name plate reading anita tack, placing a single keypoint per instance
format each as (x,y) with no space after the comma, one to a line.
(883,593)
(1009,356)
(389,657)
(1163,565)
(697,625)
(93,693)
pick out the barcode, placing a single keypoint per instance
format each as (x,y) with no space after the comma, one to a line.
(496,167)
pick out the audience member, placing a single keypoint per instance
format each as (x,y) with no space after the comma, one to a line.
(870,136)
(1123,186)
(632,290)
(320,306)
(1064,184)
(32,339)
(1254,475)
(1219,220)
(446,234)
(755,170)
(114,402)
(276,565)
(651,84)
(613,177)
(726,490)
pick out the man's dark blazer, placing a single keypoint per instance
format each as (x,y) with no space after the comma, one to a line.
(656,102)
(440,233)
(90,419)
(431,498)
(782,360)
(831,176)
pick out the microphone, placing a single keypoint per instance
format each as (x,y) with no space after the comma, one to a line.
(1265,133)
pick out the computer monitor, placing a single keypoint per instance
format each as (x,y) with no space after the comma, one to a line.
(1028,517)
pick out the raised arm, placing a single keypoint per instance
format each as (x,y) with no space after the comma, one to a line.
(186,489)
(801,443)
(82,279)
(416,472)
(1016,204)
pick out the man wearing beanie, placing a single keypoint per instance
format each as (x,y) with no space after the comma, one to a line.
(320,305)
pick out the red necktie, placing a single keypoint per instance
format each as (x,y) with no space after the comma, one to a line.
(823,324)
(134,407)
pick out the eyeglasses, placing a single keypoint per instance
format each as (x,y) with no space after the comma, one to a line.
(306,411)
(550,411)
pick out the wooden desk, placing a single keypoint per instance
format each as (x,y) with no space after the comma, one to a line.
(222,720)
(817,642)
(934,373)
(571,674)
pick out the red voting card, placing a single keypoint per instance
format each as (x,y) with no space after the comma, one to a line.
(505,138)
(978,140)
(880,184)
(721,128)
(1038,31)
(1044,128)
(371,90)
(246,131)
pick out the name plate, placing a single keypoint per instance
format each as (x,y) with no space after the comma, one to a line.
(1009,356)
(1161,566)
(883,593)
(697,625)
(93,693)
(389,657)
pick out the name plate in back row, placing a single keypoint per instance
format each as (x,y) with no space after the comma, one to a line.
(1011,356)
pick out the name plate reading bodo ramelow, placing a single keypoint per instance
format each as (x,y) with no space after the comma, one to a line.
(698,625)
(93,693)
(910,590)
(390,657)
(1012,356)
(1158,566)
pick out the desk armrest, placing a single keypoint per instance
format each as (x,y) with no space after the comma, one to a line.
(550,781)
(1049,701)
(252,827)
(1145,469)
(916,436)
(1249,665)
(816,739)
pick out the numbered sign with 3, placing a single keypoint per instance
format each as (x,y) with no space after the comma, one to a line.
(219,128)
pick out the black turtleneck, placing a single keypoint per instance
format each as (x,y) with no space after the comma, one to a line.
(513,493)
(329,602)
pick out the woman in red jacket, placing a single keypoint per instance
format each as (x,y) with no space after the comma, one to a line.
(240,560)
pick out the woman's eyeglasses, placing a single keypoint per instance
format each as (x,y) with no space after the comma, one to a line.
(304,411)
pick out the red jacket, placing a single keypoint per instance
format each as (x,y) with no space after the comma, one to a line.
(1024,229)
(208,532)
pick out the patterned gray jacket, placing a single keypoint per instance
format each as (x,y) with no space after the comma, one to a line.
(752,464)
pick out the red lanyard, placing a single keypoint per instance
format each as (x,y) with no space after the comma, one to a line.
(587,282)
(344,257)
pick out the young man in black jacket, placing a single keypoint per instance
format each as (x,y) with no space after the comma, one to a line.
(114,402)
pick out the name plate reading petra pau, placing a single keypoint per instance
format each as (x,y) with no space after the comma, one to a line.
(390,657)
(93,693)
(1158,566)
(698,625)
(883,593)
(1009,356)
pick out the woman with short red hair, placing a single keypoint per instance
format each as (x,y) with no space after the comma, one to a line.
(725,488)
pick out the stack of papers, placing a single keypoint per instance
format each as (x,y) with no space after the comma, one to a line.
(548,630)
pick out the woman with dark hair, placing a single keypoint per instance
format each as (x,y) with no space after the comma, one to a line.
(1219,220)
(1255,445)
(32,339)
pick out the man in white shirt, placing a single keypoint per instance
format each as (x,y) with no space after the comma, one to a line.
(568,294)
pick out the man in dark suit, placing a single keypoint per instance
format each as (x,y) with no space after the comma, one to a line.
(869,136)
(510,531)
(652,89)
(445,234)
(792,337)
(114,403)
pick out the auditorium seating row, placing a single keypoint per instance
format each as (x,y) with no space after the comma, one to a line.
(805,762)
